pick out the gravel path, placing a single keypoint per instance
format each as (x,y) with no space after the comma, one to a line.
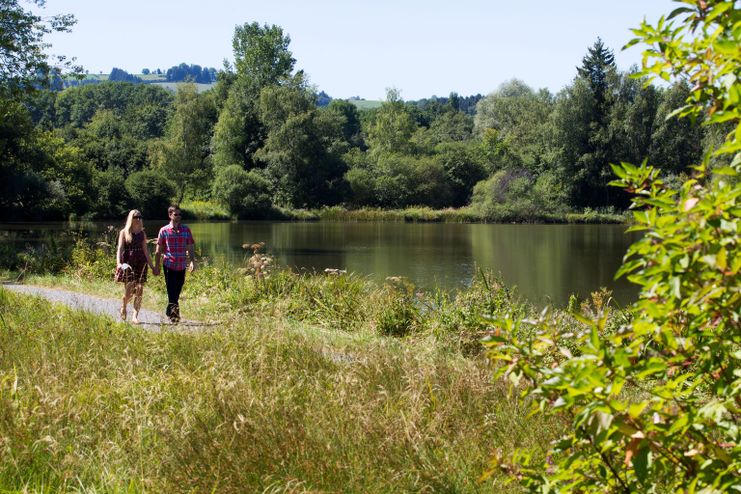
(91,303)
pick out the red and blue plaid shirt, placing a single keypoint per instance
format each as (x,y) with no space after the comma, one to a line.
(174,244)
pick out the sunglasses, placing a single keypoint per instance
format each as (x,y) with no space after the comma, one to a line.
(176,214)
(137,217)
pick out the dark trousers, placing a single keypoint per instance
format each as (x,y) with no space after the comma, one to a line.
(174,281)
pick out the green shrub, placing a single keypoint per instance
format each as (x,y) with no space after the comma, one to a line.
(113,199)
(94,259)
(245,194)
(203,210)
(506,196)
(397,312)
(150,192)
(653,404)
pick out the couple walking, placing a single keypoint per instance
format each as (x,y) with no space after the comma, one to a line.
(175,247)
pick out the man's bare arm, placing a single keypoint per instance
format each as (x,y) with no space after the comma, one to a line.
(192,256)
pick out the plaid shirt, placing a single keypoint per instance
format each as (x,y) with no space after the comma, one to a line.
(173,245)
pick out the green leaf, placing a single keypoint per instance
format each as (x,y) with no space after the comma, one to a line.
(618,170)
(676,12)
(636,409)
(653,366)
(718,10)
(722,116)
(721,259)
(676,287)
(642,462)
(726,170)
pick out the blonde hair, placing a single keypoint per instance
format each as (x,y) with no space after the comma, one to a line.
(129,223)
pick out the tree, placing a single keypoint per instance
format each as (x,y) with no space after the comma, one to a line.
(261,54)
(262,59)
(245,194)
(596,67)
(23,64)
(581,144)
(22,188)
(582,134)
(151,192)
(518,114)
(632,119)
(120,75)
(183,154)
(391,127)
(676,143)
(301,152)
(348,114)
(463,169)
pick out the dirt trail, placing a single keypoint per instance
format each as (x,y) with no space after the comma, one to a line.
(98,305)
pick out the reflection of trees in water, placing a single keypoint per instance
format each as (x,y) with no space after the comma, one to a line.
(542,260)
(554,261)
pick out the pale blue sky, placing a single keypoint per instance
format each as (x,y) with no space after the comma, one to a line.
(350,48)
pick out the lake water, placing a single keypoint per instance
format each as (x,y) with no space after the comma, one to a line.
(546,263)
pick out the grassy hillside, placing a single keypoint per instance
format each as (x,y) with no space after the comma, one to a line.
(158,80)
(366,104)
(173,86)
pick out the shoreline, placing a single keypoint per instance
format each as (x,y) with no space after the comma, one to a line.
(210,212)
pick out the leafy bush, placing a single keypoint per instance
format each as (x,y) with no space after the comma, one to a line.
(203,210)
(505,196)
(245,194)
(398,313)
(113,199)
(653,405)
(91,259)
(456,320)
(151,192)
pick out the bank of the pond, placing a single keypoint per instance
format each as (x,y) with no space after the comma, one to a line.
(205,211)
(310,382)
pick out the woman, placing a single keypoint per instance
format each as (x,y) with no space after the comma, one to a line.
(132,260)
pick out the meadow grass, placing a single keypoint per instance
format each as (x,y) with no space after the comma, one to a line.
(422,214)
(204,210)
(303,383)
(363,104)
(267,401)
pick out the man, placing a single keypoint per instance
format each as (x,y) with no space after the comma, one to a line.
(173,243)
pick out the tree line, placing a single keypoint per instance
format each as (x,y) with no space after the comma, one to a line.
(259,140)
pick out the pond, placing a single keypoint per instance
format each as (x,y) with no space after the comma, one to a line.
(547,263)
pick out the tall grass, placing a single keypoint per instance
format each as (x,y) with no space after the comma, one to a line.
(204,210)
(305,383)
(422,214)
(261,404)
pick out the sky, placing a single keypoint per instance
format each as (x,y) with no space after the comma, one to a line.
(360,48)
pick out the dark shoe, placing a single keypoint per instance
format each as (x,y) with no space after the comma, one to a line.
(175,314)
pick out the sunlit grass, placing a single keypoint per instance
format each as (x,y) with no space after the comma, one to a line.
(278,400)
(422,214)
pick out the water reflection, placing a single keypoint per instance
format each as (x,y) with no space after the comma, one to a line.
(545,262)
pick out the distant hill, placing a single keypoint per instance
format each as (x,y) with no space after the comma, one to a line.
(154,79)
(173,86)
(365,104)
(165,79)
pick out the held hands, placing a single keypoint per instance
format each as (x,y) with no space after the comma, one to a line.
(191,267)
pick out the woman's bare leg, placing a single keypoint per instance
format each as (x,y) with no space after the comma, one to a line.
(128,292)
(138,292)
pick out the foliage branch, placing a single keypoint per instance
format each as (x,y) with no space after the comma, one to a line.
(654,404)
